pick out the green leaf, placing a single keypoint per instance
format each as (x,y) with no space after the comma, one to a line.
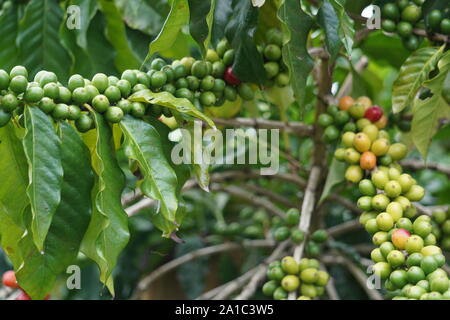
(143,144)
(336,175)
(413,73)
(166,99)
(248,64)
(76,40)
(426,113)
(296,24)
(222,14)
(38,39)
(145,16)
(346,30)
(38,273)
(13,196)
(42,149)
(116,34)
(8,29)
(177,18)
(201,15)
(328,20)
(107,234)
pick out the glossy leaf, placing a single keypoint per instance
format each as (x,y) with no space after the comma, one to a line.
(296,24)
(13,196)
(107,234)
(42,149)
(177,18)
(145,16)
(38,39)
(201,21)
(413,73)
(426,113)
(346,30)
(248,64)
(76,40)
(166,99)
(39,271)
(143,144)
(328,20)
(116,34)
(222,13)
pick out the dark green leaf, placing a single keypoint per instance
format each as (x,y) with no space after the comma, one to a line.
(8,29)
(200,23)
(222,14)
(39,271)
(107,234)
(248,64)
(42,149)
(329,21)
(38,39)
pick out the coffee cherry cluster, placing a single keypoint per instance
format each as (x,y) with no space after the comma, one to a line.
(9,280)
(407,256)
(289,276)
(206,83)
(403,16)
(349,116)
(276,71)
(440,220)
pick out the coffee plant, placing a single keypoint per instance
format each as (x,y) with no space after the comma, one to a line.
(98,97)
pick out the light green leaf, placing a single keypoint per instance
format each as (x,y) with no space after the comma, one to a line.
(38,39)
(146,16)
(166,99)
(38,273)
(45,173)
(413,73)
(296,24)
(177,18)
(336,175)
(143,144)
(426,113)
(107,234)
(13,196)
(116,34)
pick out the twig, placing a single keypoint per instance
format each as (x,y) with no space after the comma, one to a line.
(270,195)
(412,164)
(357,273)
(249,197)
(343,228)
(256,277)
(173,264)
(330,287)
(306,213)
(295,128)
(345,203)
